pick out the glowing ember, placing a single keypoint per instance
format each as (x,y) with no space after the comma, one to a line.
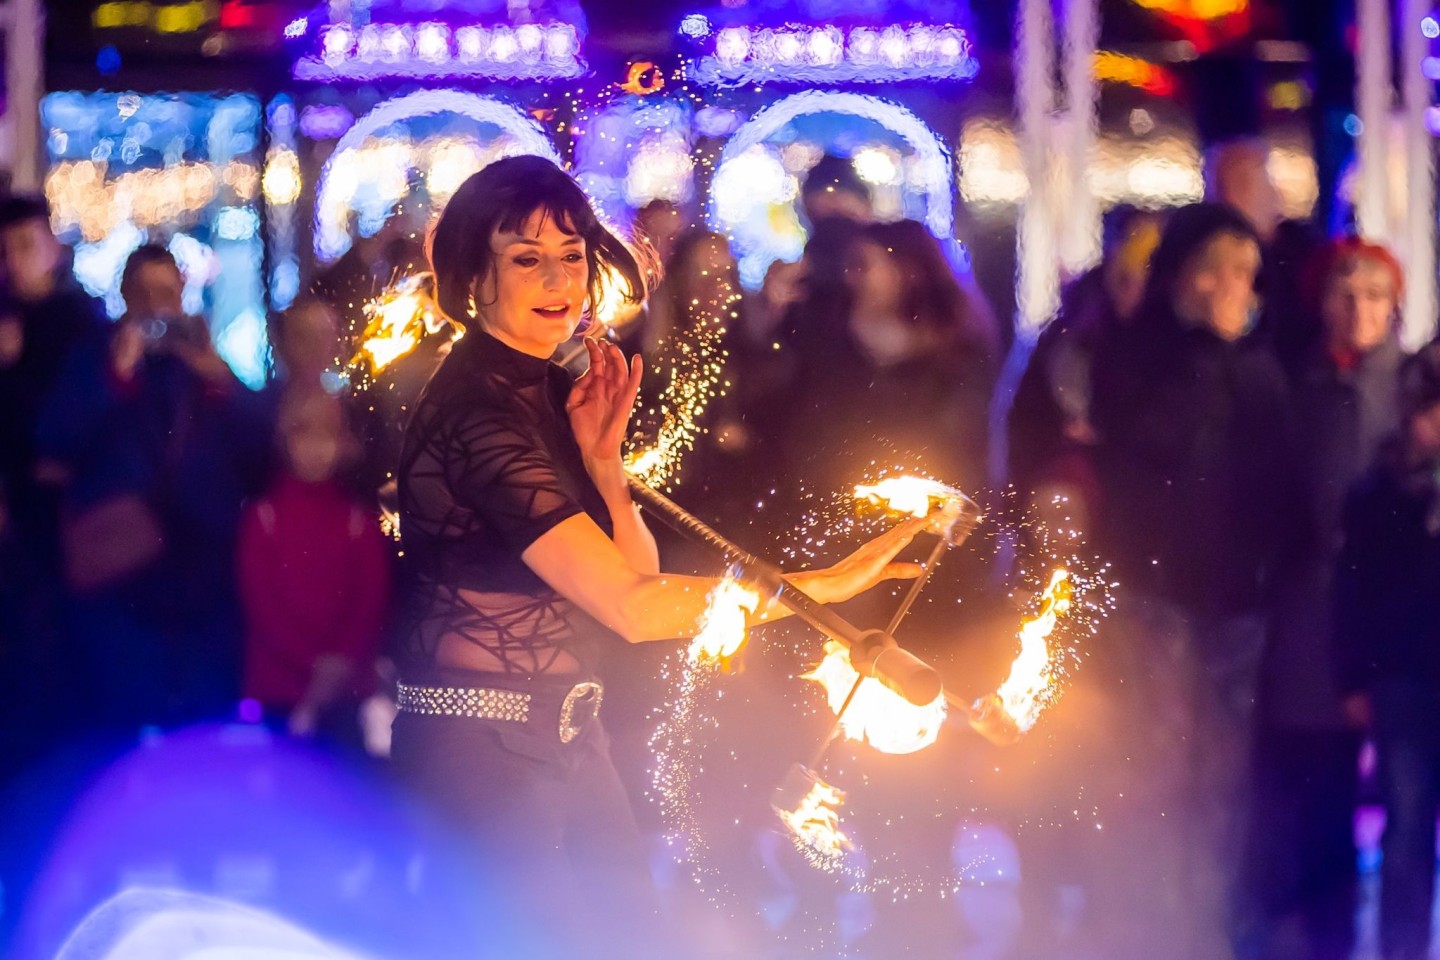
(396,321)
(1031,684)
(877,714)
(814,823)
(723,629)
(641,463)
(916,496)
(693,363)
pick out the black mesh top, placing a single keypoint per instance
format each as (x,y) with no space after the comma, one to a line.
(489,464)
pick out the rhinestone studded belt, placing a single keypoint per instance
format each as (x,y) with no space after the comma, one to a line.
(580,705)
(480,702)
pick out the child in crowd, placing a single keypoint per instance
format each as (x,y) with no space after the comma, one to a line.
(314,579)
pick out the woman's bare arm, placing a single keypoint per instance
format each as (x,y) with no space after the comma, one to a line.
(581,563)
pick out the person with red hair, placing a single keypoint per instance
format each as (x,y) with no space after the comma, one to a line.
(1347,403)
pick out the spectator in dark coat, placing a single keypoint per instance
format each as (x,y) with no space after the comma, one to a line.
(158,444)
(1052,434)
(43,316)
(1347,402)
(1388,586)
(1198,495)
(47,316)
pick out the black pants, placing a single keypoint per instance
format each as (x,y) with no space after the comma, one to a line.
(550,822)
(1299,897)
(1408,743)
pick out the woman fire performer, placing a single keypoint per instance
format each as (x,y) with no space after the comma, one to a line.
(516,513)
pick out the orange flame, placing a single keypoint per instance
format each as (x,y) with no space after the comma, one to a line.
(1031,684)
(396,321)
(916,496)
(814,823)
(723,627)
(877,714)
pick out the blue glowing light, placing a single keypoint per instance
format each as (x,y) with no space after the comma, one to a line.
(107,61)
(1430,27)
(827,53)
(296,28)
(752,192)
(342,180)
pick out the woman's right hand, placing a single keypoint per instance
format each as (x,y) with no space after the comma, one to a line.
(871,564)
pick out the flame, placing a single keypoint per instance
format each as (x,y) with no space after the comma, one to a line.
(814,823)
(723,627)
(641,463)
(916,496)
(877,714)
(396,321)
(1031,684)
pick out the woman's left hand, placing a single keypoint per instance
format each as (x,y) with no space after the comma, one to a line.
(600,403)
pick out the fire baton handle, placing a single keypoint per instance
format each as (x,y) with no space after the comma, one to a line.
(901,671)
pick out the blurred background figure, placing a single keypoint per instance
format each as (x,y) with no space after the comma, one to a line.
(1051,430)
(43,316)
(1199,493)
(906,360)
(314,579)
(370,265)
(1389,636)
(306,343)
(156,444)
(1237,174)
(1302,855)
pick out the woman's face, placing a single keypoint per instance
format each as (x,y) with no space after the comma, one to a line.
(1358,306)
(1216,289)
(533,299)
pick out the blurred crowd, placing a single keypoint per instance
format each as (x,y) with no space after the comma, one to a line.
(1222,406)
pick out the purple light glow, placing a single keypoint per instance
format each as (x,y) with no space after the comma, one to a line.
(431,49)
(829,53)
(325,122)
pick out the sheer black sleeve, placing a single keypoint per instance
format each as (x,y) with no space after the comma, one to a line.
(497,470)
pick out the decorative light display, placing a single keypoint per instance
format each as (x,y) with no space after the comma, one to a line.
(368,174)
(177,169)
(757,179)
(281,185)
(1133,71)
(636,149)
(160,17)
(831,54)
(433,50)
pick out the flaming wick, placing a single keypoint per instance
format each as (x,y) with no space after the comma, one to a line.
(1013,708)
(724,627)
(814,818)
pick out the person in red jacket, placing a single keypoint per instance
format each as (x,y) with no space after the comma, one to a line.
(314,579)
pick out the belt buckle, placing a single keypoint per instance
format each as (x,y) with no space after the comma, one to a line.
(587,694)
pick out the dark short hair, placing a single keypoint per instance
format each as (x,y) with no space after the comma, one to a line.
(500,198)
(837,173)
(20,207)
(143,256)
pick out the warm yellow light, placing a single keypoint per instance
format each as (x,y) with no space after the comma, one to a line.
(724,627)
(1030,684)
(815,823)
(916,496)
(877,715)
(183,17)
(281,182)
